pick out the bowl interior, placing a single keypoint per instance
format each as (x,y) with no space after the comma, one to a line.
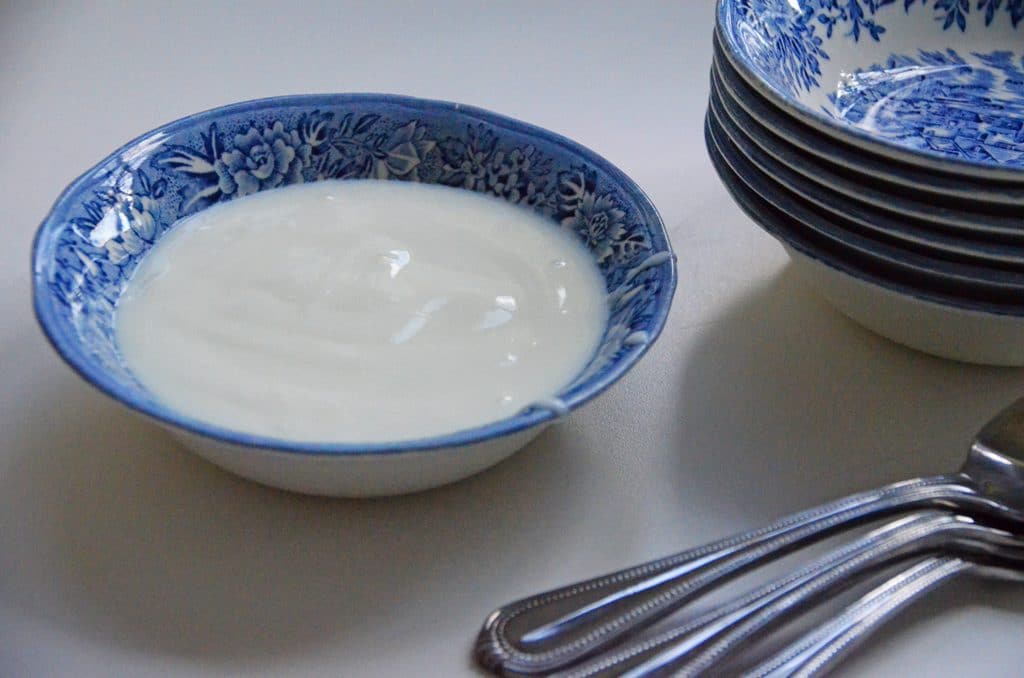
(941,77)
(107,220)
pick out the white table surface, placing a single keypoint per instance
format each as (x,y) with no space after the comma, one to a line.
(123,555)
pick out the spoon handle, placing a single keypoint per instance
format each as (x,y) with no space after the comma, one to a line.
(819,651)
(871,553)
(551,630)
(693,633)
(947,534)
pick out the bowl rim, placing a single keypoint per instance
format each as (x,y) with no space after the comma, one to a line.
(808,140)
(851,135)
(784,229)
(916,266)
(951,219)
(64,344)
(845,203)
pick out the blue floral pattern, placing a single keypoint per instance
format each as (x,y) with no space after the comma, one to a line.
(789,48)
(942,102)
(123,210)
(968,108)
(373,147)
(253,160)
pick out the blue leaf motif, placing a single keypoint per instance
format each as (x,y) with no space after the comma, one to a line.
(364,124)
(783,41)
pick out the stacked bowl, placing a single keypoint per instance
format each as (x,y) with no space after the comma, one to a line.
(882,143)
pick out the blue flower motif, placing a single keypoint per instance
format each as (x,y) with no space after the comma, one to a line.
(404,150)
(781,41)
(599,219)
(262,159)
(259,159)
(477,162)
(137,228)
(131,205)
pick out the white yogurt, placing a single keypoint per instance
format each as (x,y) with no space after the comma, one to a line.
(360,311)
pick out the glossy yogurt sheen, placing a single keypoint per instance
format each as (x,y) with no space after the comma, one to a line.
(360,311)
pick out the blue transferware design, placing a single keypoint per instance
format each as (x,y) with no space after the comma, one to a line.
(790,48)
(938,189)
(105,222)
(942,102)
(952,215)
(371,146)
(800,53)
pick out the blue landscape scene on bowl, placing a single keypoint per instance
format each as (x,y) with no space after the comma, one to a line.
(959,101)
(106,221)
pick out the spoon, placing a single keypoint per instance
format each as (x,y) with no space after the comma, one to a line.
(552,630)
(819,651)
(697,646)
(941,533)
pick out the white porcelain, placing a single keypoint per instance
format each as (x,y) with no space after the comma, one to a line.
(943,331)
(367,475)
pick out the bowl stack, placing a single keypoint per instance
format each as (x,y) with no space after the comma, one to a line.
(882,143)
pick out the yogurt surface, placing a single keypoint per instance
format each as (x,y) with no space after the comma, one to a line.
(360,311)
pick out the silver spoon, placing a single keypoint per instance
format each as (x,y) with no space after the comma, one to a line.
(699,630)
(821,650)
(552,630)
(698,646)
(942,533)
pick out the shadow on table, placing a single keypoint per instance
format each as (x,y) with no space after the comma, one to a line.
(799,405)
(137,543)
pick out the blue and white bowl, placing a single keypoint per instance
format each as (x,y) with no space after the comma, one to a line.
(936,84)
(967,284)
(880,215)
(935,319)
(106,221)
(988,225)
(936,187)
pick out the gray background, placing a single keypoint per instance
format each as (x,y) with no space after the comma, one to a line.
(121,554)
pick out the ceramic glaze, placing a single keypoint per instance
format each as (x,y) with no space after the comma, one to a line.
(819,151)
(361,311)
(937,84)
(969,105)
